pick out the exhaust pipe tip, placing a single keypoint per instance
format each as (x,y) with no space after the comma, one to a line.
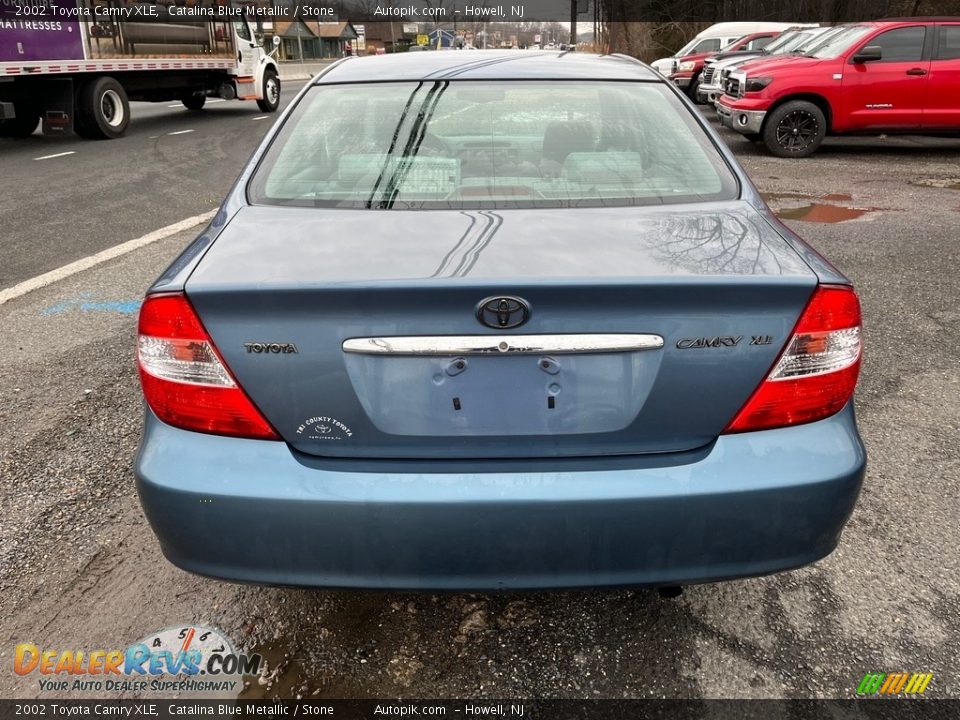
(669,592)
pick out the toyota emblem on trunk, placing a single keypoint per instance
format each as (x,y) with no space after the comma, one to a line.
(503,312)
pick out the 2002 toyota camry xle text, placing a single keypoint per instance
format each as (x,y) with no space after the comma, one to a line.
(497,320)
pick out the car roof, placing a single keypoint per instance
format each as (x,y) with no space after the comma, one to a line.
(488,65)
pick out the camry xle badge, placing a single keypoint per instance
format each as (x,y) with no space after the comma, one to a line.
(503,312)
(709,342)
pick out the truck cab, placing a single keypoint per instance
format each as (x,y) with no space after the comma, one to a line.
(892,76)
(688,74)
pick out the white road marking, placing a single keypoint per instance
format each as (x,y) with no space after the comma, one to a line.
(48,157)
(153,137)
(261,117)
(176,105)
(180,132)
(48,278)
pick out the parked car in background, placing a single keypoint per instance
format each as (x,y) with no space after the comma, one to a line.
(893,76)
(790,41)
(474,396)
(713,39)
(690,67)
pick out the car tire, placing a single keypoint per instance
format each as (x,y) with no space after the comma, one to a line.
(194,101)
(271,92)
(23,124)
(795,129)
(103,110)
(694,89)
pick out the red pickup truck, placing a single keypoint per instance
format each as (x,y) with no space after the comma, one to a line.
(889,76)
(690,67)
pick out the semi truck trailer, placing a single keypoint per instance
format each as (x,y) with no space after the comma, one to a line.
(75,65)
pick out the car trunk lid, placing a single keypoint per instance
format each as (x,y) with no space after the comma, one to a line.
(324,315)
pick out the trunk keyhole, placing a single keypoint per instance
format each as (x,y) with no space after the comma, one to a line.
(551,402)
(549,365)
(456,403)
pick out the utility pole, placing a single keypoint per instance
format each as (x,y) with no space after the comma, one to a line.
(573,24)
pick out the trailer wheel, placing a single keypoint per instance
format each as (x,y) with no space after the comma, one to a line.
(23,124)
(193,101)
(103,109)
(271,92)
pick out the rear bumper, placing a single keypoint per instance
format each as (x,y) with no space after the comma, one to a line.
(251,511)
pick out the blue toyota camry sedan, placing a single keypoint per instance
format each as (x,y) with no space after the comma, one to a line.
(497,320)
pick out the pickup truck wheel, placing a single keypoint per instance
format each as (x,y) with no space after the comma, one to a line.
(271,92)
(694,89)
(194,102)
(23,124)
(104,110)
(795,129)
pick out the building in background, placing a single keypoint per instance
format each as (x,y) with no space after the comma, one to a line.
(389,36)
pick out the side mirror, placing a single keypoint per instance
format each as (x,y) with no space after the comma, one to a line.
(870,53)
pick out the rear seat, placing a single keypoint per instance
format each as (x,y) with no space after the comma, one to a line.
(604,168)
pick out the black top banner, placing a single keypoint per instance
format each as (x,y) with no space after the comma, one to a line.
(447,12)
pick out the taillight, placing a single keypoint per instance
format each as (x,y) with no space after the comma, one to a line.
(816,373)
(184,379)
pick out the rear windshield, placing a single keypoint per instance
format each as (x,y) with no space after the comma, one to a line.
(474,145)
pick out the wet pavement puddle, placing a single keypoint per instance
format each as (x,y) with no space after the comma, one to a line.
(821,210)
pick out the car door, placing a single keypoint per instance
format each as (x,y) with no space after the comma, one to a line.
(888,93)
(247,54)
(942,110)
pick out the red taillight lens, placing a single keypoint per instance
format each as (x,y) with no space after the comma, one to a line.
(184,379)
(815,375)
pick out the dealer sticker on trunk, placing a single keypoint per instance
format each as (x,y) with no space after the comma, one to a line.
(323,427)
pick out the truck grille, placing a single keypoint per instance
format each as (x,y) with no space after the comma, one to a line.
(732,87)
(708,74)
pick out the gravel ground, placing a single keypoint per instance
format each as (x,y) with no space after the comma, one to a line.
(81,569)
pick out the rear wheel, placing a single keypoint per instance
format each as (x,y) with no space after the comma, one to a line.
(103,110)
(194,101)
(271,92)
(23,124)
(795,129)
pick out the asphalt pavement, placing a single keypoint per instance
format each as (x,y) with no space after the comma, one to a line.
(82,196)
(81,569)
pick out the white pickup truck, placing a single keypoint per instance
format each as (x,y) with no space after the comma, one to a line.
(76,64)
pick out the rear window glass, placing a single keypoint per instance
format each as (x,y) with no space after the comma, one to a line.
(470,145)
(949,43)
